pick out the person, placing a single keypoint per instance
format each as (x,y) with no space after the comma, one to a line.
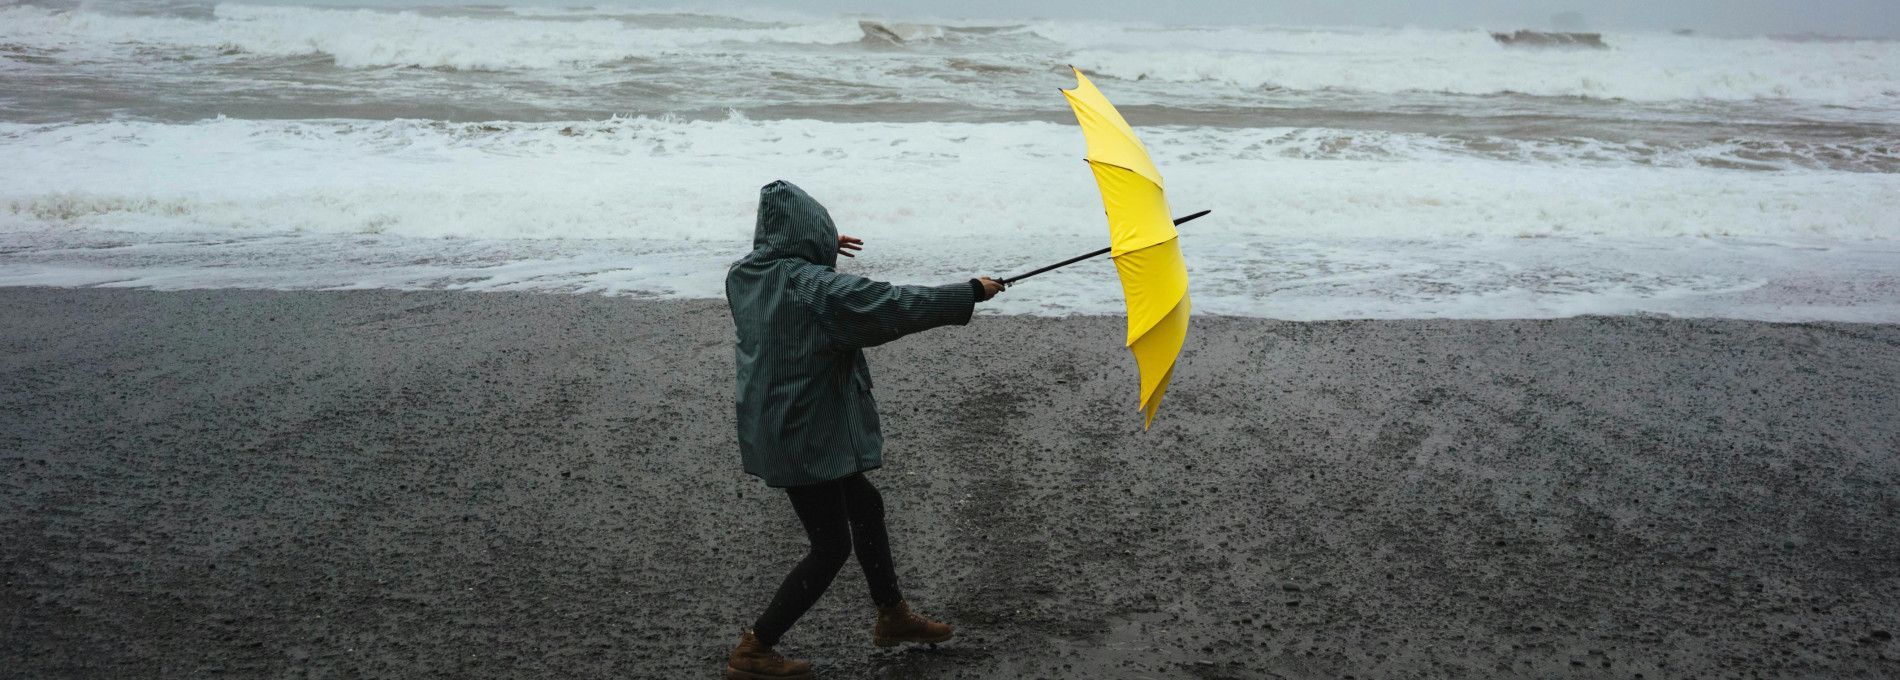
(807,422)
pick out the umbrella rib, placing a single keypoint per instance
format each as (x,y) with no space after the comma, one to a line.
(1123,167)
(1131,251)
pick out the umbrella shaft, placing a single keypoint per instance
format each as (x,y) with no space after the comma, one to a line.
(1178,221)
(1057,265)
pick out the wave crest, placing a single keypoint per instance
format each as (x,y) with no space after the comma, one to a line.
(662,178)
(365,38)
(1641,67)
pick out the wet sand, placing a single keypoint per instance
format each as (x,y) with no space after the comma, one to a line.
(385,484)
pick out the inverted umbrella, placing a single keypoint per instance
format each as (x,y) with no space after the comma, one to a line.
(1142,240)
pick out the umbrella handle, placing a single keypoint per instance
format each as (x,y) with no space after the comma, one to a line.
(1177,221)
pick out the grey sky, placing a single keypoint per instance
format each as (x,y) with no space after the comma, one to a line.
(1729,17)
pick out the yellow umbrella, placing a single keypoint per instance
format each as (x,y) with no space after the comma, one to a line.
(1143,241)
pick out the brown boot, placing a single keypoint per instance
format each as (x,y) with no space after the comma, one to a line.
(898,624)
(752,660)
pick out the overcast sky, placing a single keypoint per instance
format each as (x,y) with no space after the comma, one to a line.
(1749,17)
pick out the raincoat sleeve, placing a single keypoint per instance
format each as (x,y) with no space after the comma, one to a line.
(857,312)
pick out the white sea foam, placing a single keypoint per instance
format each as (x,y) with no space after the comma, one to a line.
(367,38)
(661,178)
(1641,66)
(694,179)
(657,206)
(1279,277)
(1350,173)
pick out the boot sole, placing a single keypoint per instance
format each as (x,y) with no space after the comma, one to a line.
(736,674)
(893,642)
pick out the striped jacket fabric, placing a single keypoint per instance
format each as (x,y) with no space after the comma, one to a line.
(804,404)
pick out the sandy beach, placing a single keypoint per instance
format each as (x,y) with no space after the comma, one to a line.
(513,485)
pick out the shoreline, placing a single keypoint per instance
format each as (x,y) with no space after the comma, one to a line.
(242,483)
(1286,279)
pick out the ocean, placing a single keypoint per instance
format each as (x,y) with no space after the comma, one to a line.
(1353,172)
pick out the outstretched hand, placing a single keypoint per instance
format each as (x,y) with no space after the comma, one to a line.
(846,244)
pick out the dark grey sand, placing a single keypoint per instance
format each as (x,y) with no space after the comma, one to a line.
(383,484)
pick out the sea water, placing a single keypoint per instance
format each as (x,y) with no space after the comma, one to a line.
(1353,172)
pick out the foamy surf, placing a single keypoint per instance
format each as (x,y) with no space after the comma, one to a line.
(672,179)
(657,207)
(834,59)
(1353,172)
(1287,278)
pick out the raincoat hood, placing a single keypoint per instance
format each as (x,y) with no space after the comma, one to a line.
(793,224)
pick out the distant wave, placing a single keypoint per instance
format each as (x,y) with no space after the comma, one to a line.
(360,38)
(1649,69)
(667,137)
(1640,67)
(899,33)
(584,180)
(459,37)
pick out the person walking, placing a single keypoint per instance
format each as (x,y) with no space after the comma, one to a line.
(807,422)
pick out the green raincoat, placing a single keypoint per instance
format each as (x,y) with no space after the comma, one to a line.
(805,409)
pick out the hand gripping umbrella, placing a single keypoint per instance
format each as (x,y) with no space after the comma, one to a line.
(1142,241)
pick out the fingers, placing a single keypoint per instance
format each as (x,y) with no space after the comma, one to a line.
(849,243)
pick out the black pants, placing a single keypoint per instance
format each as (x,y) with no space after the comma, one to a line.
(838,515)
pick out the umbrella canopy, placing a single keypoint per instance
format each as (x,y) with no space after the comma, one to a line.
(1142,240)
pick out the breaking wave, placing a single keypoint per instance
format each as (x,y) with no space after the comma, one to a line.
(884,33)
(363,38)
(694,180)
(1639,66)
